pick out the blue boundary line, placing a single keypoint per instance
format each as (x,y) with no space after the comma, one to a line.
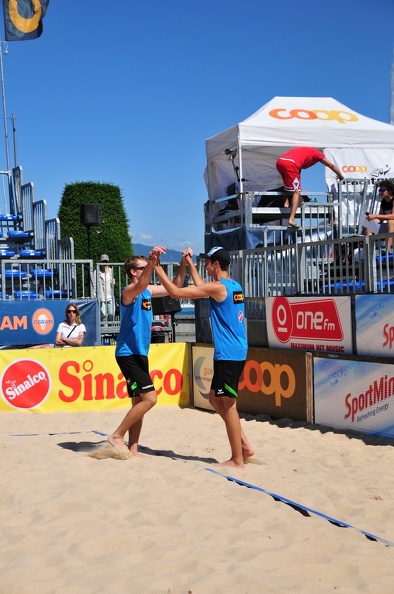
(57,433)
(294,504)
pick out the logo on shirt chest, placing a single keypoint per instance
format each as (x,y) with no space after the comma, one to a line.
(146,304)
(238,297)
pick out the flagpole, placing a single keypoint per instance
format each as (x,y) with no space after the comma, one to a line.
(7,154)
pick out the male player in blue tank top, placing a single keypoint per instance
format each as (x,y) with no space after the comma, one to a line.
(133,342)
(229,337)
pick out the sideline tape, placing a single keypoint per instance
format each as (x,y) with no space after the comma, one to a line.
(293,504)
(57,433)
(304,508)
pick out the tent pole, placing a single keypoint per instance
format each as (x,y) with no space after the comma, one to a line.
(241,177)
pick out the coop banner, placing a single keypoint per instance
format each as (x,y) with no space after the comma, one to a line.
(374,325)
(86,378)
(35,322)
(354,394)
(275,382)
(319,324)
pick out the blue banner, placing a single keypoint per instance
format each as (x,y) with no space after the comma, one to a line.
(23,19)
(35,322)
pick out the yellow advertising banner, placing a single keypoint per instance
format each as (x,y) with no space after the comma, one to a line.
(86,378)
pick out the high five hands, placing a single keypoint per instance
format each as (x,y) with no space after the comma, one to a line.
(157,251)
(154,255)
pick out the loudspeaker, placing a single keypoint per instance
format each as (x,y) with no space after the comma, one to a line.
(91,215)
(165,305)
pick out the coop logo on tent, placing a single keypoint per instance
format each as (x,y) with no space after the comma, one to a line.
(25,384)
(354,169)
(342,117)
(42,321)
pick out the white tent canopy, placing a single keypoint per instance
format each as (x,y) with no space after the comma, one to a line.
(360,146)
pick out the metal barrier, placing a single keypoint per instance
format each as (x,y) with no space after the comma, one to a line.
(245,211)
(30,279)
(27,197)
(348,266)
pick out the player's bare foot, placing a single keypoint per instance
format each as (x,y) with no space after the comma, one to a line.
(247,453)
(138,454)
(230,463)
(117,442)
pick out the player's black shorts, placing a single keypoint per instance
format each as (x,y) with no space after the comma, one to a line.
(135,369)
(226,376)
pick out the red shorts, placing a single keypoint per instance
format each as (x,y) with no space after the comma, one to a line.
(290,174)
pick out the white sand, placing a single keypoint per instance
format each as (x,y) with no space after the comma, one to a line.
(72,523)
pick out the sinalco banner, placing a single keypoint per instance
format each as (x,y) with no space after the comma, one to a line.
(86,378)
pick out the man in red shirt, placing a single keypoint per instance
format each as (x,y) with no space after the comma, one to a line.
(289,166)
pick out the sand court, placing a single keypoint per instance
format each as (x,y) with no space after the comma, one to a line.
(77,516)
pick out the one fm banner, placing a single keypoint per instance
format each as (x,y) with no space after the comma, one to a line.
(319,324)
(356,395)
(375,325)
(86,378)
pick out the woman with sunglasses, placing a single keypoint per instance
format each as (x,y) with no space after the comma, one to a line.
(70,332)
(386,212)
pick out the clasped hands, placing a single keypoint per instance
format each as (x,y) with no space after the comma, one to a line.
(157,251)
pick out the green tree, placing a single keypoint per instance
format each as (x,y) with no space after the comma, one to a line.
(112,237)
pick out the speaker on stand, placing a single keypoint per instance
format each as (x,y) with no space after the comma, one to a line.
(90,216)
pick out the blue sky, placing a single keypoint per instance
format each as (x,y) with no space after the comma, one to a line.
(128,92)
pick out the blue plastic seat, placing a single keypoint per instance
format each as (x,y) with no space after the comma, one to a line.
(19,234)
(11,273)
(56,294)
(24,253)
(26,295)
(41,273)
(5,253)
(9,217)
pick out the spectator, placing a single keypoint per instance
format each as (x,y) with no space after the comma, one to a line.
(106,284)
(70,332)
(386,211)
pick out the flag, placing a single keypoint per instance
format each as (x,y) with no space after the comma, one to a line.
(23,19)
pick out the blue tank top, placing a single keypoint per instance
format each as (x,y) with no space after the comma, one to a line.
(135,326)
(228,324)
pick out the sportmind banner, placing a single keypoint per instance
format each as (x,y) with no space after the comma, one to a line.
(86,378)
